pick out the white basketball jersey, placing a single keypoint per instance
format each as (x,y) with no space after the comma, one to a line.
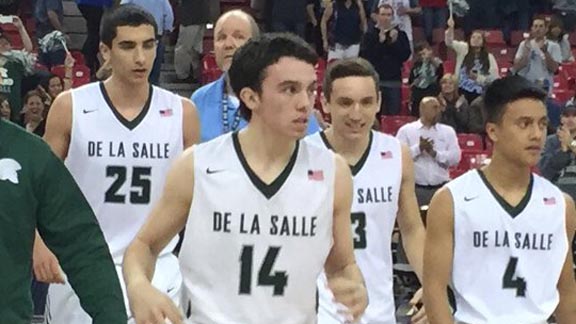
(377,177)
(252,252)
(121,165)
(507,260)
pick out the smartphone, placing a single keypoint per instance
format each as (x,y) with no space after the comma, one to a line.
(6,19)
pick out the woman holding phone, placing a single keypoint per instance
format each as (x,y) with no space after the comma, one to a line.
(475,66)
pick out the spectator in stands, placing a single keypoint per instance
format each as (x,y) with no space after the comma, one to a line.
(92,11)
(558,34)
(162,12)
(34,113)
(387,48)
(194,15)
(483,14)
(455,110)
(476,123)
(537,59)
(343,23)
(515,15)
(566,11)
(434,15)
(403,10)
(51,86)
(475,66)
(15,64)
(425,75)
(49,15)
(216,103)
(5,110)
(289,16)
(558,161)
(315,10)
(434,148)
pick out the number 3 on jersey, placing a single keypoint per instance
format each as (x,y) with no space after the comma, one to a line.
(265,278)
(359,230)
(140,182)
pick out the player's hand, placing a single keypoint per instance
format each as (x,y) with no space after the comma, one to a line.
(45,264)
(351,294)
(418,306)
(150,306)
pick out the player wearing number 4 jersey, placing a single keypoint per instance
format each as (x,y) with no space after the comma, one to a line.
(118,139)
(383,187)
(265,213)
(499,236)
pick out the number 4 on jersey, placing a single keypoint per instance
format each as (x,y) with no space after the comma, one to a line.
(509,282)
(265,278)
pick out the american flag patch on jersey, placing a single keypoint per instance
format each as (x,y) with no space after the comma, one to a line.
(386,155)
(166,112)
(316,175)
(550,201)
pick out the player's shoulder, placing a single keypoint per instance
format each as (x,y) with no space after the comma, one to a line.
(315,147)
(544,186)
(215,145)
(466,183)
(86,88)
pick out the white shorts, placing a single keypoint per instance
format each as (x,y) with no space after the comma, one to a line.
(63,306)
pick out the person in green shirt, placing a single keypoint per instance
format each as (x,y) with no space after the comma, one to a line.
(37,191)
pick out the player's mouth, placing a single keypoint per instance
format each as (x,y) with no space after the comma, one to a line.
(534,148)
(355,126)
(140,72)
(301,120)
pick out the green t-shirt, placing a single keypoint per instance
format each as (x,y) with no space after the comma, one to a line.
(37,191)
(11,74)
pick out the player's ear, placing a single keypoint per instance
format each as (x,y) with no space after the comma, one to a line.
(491,131)
(325,106)
(250,98)
(105,51)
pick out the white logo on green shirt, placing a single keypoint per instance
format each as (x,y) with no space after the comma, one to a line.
(9,170)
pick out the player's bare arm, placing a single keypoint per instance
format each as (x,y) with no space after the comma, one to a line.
(344,276)
(409,221)
(411,227)
(59,125)
(190,123)
(438,255)
(566,310)
(166,220)
(58,130)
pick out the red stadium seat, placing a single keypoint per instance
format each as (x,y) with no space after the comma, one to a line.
(449,66)
(78,57)
(494,37)
(469,142)
(391,124)
(562,95)
(80,74)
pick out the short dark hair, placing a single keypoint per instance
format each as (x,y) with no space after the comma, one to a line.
(356,67)
(419,46)
(248,68)
(503,91)
(125,15)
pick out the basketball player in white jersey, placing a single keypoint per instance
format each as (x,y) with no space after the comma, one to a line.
(118,139)
(383,178)
(499,236)
(264,212)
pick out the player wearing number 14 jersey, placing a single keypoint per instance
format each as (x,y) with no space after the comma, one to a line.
(265,213)
(118,139)
(500,235)
(383,187)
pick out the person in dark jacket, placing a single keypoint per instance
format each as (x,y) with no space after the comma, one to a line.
(387,48)
(425,75)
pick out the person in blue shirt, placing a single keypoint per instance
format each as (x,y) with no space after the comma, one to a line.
(217,105)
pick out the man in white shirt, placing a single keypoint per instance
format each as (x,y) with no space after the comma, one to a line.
(434,148)
(537,59)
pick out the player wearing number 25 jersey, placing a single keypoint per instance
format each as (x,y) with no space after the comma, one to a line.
(119,138)
(500,235)
(265,213)
(383,187)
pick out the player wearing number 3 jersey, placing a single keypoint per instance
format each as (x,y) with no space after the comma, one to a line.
(265,213)
(500,235)
(383,187)
(118,139)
